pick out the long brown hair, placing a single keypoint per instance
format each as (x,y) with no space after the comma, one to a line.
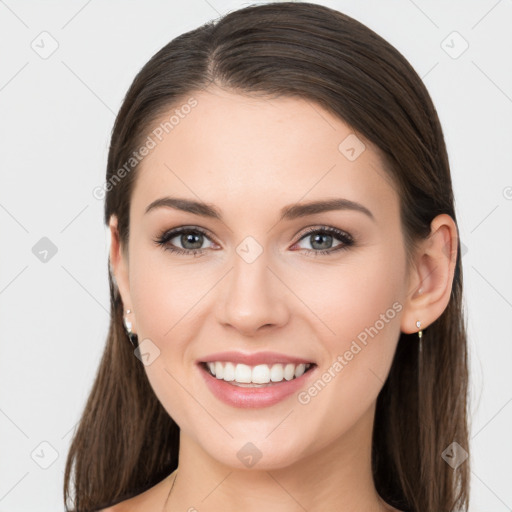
(126,442)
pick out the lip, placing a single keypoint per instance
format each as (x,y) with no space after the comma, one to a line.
(243,397)
(253,359)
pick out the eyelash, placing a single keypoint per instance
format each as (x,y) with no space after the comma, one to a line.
(163,240)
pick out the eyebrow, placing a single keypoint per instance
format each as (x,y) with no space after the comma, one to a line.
(289,212)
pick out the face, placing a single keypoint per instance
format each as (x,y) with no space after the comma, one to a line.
(325,286)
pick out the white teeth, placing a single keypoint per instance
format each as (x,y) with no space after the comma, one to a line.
(289,371)
(276,372)
(242,373)
(301,368)
(219,370)
(229,372)
(260,374)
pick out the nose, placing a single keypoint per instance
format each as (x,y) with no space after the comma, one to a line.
(253,297)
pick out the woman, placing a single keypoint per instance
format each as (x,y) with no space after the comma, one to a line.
(285,263)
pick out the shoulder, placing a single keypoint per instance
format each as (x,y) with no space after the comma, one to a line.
(152,498)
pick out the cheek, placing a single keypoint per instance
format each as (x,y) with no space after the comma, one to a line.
(166,298)
(359,307)
(352,295)
(362,307)
(164,292)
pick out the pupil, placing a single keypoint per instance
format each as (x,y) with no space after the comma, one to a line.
(189,237)
(324,245)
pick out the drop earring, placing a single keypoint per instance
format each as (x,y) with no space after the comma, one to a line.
(418,323)
(128,326)
(420,332)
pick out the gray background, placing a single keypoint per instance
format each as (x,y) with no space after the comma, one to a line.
(56,114)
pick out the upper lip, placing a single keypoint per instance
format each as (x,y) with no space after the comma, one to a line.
(253,359)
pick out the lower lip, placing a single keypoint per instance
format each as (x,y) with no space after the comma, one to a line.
(243,397)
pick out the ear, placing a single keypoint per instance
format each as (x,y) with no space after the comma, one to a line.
(119,269)
(431,275)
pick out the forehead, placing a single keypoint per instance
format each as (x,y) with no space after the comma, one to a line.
(235,150)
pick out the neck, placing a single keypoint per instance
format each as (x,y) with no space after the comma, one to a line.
(337,477)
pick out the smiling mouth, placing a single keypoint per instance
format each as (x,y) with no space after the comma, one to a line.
(258,376)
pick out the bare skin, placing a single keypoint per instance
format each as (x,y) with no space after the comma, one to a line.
(251,157)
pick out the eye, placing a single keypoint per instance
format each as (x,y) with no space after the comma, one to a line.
(322,239)
(191,239)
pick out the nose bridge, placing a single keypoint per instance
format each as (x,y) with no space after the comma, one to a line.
(253,297)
